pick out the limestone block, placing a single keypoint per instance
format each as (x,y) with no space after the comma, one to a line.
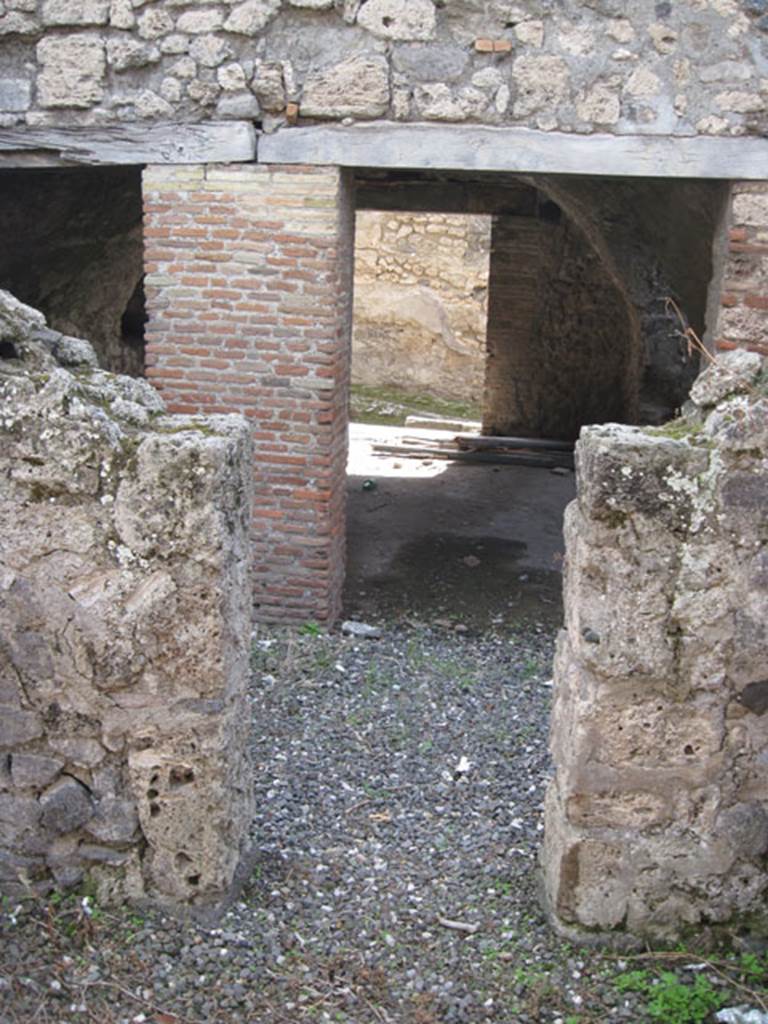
(16,319)
(625,471)
(745,829)
(151,104)
(356,87)
(154,23)
(251,17)
(80,752)
(34,770)
(124,54)
(315,5)
(651,733)
(231,77)
(19,818)
(618,605)
(599,105)
(201,19)
(72,70)
(240,105)
(18,727)
(114,821)
(15,23)
(268,87)
(398,19)
(121,14)
(85,12)
(618,810)
(15,94)
(210,50)
(731,373)
(542,83)
(438,102)
(65,806)
(739,425)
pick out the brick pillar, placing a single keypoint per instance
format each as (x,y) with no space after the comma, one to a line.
(249,286)
(743,320)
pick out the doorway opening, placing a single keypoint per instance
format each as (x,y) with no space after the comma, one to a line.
(574,276)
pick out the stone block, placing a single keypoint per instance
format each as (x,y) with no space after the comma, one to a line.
(15,94)
(399,19)
(84,12)
(115,821)
(124,54)
(34,770)
(356,87)
(65,806)
(623,471)
(18,727)
(731,373)
(72,70)
(19,817)
(249,18)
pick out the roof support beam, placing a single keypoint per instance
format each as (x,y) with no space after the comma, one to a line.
(385,144)
(210,142)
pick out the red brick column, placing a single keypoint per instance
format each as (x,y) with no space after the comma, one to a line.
(743,321)
(249,286)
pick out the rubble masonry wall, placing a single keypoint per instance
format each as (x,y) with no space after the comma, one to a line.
(124,629)
(657,818)
(686,68)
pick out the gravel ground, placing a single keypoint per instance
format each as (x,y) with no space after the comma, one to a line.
(399,786)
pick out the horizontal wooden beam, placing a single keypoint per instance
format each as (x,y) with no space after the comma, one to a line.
(517,150)
(211,142)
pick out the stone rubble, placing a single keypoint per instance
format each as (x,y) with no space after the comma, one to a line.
(124,629)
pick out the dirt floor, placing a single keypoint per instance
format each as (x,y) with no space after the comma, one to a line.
(476,543)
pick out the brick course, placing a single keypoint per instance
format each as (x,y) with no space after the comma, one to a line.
(743,321)
(249,288)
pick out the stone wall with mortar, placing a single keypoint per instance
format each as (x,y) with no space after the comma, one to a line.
(690,67)
(421,286)
(124,629)
(249,290)
(657,818)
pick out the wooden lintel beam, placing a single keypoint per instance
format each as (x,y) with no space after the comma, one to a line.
(211,142)
(484,148)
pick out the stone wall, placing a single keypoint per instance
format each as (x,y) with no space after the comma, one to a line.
(563,346)
(124,629)
(249,288)
(695,67)
(657,819)
(421,285)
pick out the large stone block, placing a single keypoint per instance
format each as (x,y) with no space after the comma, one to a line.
(72,70)
(356,87)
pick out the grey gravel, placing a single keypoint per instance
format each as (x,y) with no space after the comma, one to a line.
(399,786)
